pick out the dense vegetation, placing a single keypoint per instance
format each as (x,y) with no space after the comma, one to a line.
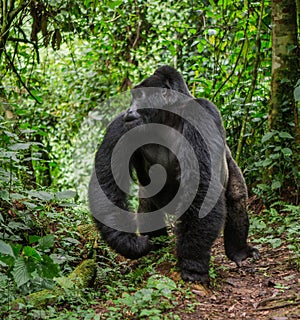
(63,67)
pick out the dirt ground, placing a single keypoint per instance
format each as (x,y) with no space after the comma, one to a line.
(265,289)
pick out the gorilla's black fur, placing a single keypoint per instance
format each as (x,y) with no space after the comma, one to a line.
(195,235)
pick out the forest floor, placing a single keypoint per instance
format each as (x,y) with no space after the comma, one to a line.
(264,289)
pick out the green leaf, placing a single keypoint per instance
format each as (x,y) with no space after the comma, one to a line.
(7,261)
(17,196)
(287,151)
(30,204)
(6,249)
(37,97)
(274,156)
(114,4)
(285,135)
(161,283)
(71,240)
(200,47)
(297,94)
(267,162)
(149,313)
(64,282)
(33,239)
(267,136)
(258,224)
(67,194)
(22,271)
(16,249)
(4,195)
(276,242)
(46,242)
(9,155)
(31,252)
(17,226)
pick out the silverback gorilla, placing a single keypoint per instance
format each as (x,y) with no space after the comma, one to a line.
(195,233)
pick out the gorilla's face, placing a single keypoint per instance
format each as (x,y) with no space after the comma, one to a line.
(146,106)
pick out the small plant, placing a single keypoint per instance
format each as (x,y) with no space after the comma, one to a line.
(30,266)
(213,273)
(148,302)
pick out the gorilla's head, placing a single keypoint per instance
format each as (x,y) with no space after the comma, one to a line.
(163,89)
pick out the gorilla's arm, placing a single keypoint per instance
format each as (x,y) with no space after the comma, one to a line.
(129,245)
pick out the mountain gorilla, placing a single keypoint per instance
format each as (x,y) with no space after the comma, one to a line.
(195,234)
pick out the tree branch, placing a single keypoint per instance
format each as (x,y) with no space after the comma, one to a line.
(20,40)
(19,77)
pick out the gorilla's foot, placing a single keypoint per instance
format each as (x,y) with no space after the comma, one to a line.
(187,275)
(242,254)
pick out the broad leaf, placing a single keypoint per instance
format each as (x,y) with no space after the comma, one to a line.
(43,195)
(6,249)
(22,271)
(20,146)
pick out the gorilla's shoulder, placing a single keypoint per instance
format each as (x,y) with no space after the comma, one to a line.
(210,107)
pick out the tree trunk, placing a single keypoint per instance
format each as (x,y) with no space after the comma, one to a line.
(283,121)
(283,114)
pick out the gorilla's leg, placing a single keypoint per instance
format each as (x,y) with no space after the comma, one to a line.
(237,222)
(195,238)
(146,205)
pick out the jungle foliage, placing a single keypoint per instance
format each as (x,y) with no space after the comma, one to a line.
(61,64)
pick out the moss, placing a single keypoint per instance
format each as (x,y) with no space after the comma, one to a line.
(83,275)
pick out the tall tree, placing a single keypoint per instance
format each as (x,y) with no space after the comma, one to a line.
(283,121)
